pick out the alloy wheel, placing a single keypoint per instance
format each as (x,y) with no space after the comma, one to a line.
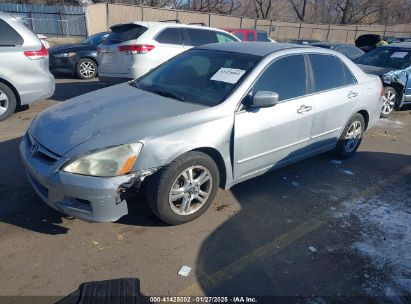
(389,102)
(4,102)
(353,136)
(190,190)
(87,69)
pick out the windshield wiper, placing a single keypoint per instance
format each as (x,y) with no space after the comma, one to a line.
(167,94)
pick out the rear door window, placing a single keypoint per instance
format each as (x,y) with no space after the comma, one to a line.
(124,32)
(170,36)
(9,36)
(329,72)
(198,37)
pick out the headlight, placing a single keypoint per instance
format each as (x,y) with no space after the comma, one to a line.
(112,161)
(65,54)
(387,78)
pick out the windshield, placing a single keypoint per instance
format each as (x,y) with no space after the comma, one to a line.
(387,57)
(198,76)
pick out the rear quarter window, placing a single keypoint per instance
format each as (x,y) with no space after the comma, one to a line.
(124,32)
(8,35)
(198,37)
(330,72)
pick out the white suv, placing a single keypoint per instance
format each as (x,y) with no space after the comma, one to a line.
(133,49)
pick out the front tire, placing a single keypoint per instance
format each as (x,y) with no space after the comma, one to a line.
(86,68)
(351,137)
(390,101)
(183,190)
(8,101)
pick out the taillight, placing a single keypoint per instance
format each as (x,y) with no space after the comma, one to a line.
(382,90)
(136,49)
(39,54)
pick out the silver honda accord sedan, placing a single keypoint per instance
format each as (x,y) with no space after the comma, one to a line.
(211,117)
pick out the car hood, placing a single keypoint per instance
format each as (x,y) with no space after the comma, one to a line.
(71,48)
(104,112)
(370,69)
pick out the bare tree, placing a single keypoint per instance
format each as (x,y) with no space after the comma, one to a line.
(262,8)
(210,6)
(299,10)
(357,11)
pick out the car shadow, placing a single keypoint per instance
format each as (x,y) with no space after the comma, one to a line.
(286,240)
(70,88)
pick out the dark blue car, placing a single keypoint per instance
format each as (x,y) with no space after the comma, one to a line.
(77,59)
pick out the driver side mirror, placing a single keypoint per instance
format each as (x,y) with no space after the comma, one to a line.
(264,99)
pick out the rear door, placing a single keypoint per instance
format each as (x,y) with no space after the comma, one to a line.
(272,136)
(336,92)
(115,53)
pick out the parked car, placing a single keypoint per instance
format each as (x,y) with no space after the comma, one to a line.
(348,50)
(392,64)
(133,49)
(249,34)
(24,73)
(77,59)
(243,34)
(212,116)
(303,41)
(368,42)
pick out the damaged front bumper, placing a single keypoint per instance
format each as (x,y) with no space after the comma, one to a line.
(95,199)
(403,79)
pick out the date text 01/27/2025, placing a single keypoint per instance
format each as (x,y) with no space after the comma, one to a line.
(202,299)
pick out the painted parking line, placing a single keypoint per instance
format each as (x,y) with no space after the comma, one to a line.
(208,282)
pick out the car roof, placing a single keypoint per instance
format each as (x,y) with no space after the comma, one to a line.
(326,43)
(252,48)
(153,24)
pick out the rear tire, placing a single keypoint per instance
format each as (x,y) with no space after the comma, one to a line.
(183,190)
(8,101)
(390,102)
(86,68)
(351,137)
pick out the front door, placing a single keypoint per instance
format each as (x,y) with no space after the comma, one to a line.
(266,137)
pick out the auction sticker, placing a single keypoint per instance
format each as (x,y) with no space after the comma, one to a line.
(228,75)
(399,55)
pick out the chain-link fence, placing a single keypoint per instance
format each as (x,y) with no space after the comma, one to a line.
(55,21)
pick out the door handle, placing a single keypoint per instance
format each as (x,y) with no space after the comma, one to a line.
(352,94)
(304,108)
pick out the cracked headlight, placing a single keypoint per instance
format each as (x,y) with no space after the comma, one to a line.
(111,161)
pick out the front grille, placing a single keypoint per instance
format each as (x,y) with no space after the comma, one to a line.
(41,152)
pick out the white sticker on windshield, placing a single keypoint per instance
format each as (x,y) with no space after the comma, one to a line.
(399,54)
(228,75)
